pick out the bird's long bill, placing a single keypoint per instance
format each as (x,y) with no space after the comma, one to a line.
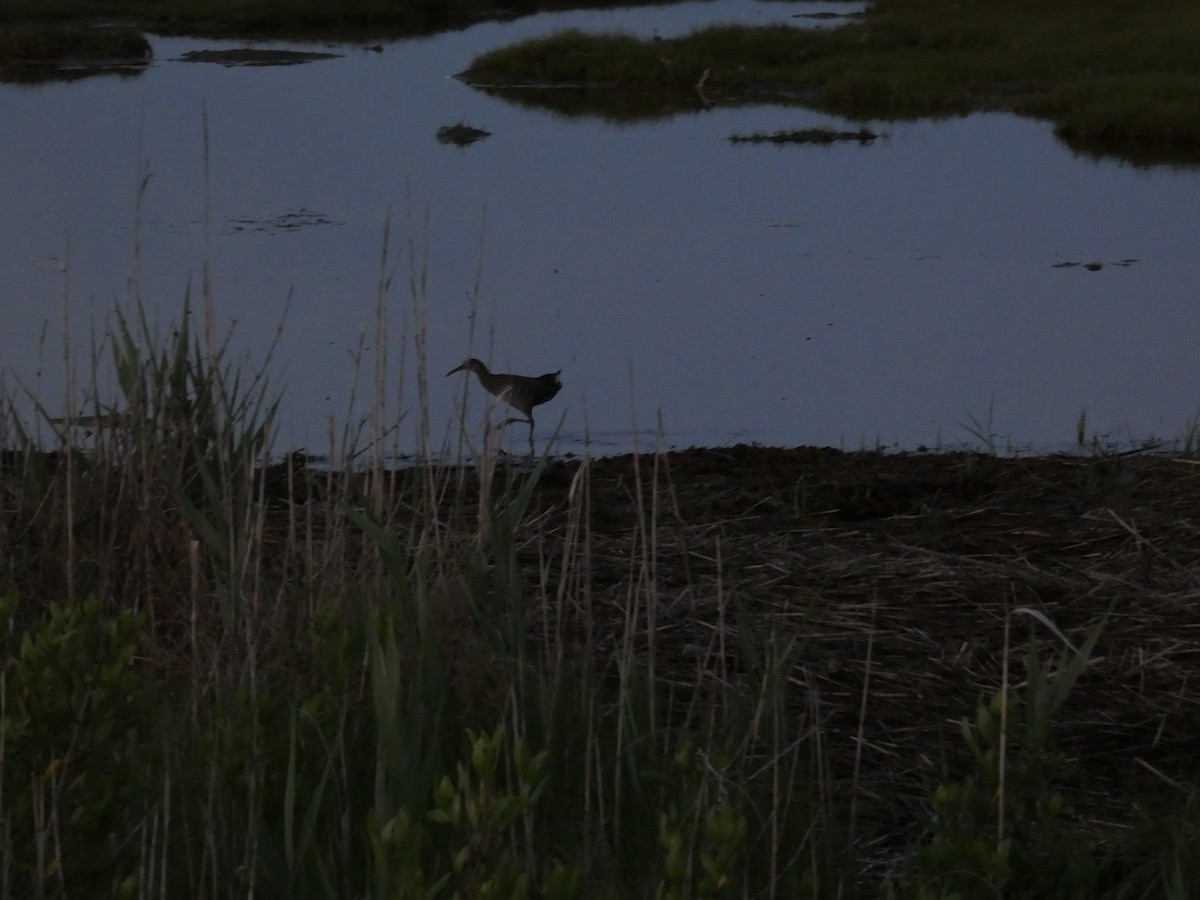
(457,368)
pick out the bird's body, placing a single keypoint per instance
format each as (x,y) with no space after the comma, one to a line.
(521,392)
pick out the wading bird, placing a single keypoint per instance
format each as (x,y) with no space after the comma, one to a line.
(521,392)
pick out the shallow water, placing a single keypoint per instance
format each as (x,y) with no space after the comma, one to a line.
(903,293)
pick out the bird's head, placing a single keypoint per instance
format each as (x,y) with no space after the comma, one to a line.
(470,365)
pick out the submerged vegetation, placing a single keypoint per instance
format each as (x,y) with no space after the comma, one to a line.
(230,670)
(806,136)
(461,134)
(1113,78)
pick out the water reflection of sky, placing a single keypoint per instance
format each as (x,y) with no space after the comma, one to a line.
(838,295)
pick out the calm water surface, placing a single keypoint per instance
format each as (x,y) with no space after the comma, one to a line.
(904,293)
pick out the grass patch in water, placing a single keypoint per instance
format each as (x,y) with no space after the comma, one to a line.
(820,136)
(38,51)
(1112,77)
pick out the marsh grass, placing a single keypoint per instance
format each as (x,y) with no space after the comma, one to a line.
(36,44)
(347,19)
(38,52)
(1110,80)
(228,672)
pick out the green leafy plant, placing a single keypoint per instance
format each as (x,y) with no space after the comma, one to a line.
(702,831)
(1002,830)
(77,767)
(467,847)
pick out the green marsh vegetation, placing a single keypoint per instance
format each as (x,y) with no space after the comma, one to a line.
(67,39)
(231,669)
(37,52)
(1112,77)
(310,19)
(278,18)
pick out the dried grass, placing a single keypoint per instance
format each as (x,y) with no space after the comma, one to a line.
(935,550)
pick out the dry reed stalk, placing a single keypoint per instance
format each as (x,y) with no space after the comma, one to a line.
(938,549)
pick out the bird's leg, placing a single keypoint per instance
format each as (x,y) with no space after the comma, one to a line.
(529,420)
